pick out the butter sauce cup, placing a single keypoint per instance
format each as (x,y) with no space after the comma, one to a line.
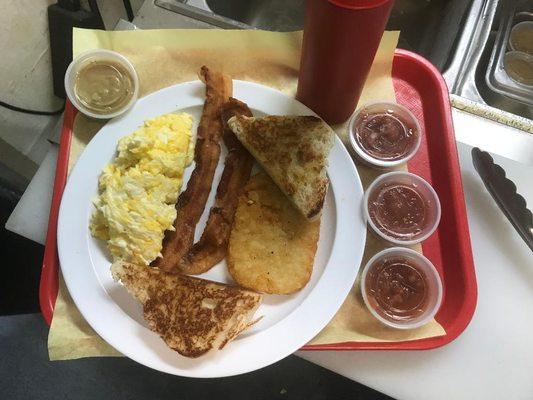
(83,60)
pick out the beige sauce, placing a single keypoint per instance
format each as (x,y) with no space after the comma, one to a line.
(519,69)
(103,87)
(522,39)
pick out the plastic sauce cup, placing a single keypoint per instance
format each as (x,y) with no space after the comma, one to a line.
(399,116)
(99,55)
(425,195)
(433,288)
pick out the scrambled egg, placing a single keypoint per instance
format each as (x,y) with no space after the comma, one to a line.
(139,189)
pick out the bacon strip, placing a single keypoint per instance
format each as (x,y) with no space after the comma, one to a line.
(212,246)
(191,202)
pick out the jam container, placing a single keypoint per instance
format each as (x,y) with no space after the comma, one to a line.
(384,134)
(401,208)
(401,288)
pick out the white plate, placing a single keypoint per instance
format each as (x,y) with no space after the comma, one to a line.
(289,321)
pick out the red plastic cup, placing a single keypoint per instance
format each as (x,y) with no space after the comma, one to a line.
(340,40)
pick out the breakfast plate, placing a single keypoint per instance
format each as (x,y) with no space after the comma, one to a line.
(288,322)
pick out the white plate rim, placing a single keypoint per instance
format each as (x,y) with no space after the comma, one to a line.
(262,348)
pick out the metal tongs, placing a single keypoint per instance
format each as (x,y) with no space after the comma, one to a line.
(503,191)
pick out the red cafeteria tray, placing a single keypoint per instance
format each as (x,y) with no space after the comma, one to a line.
(421,88)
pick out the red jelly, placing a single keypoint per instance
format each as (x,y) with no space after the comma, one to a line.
(402,208)
(401,288)
(398,210)
(384,134)
(397,288)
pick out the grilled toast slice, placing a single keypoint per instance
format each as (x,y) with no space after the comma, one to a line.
(191,315)
(294,151)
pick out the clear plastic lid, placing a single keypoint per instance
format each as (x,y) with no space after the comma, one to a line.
(519,67)
(402,208)
(521,37)
(401,288)
(103,56)
(384,134)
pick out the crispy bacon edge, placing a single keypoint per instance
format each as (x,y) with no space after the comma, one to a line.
(212,246)
(191,202)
